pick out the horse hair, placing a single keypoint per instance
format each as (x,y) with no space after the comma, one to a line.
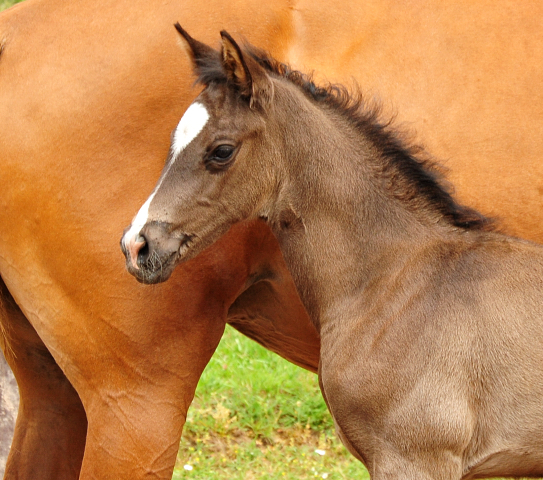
(411,172)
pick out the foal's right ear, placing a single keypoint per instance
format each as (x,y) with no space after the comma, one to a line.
(199,53)
(244,71)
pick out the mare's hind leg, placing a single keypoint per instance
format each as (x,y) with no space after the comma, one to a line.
(51,425)
(9,404)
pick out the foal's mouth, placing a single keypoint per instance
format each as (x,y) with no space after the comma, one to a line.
(155,265)
(158,267)
(155,268)
(185,246)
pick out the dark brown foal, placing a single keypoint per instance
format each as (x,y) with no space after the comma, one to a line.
(431,324)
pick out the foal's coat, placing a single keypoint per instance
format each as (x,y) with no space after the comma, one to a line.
(430,323)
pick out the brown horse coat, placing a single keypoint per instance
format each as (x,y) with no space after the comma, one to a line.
(431,324)
(89,93)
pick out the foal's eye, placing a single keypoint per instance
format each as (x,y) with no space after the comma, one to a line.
(220,156)
(222,153)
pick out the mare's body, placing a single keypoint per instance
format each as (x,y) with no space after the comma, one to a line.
(89,94)
(431,324)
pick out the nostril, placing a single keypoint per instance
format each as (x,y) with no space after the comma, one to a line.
(143,252)
(138,249)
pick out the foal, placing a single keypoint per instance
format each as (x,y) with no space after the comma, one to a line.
(430,323)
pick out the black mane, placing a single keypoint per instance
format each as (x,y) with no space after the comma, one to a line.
(411,174)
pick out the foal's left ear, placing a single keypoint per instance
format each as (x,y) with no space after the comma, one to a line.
(200,54)
(245,72)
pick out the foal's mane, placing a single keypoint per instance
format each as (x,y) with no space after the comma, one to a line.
(412,174)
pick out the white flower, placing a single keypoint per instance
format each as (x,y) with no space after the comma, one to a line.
(320,452)
(188,467)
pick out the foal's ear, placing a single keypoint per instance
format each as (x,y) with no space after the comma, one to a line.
(245,72)
(199,53)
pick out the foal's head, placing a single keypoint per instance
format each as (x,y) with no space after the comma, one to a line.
(247,138)
(220,168)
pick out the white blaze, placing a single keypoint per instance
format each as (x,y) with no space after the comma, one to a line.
(190,125)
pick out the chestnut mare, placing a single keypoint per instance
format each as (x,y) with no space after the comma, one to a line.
(89,94)
(431,325)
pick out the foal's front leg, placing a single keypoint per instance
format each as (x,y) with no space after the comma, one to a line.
(394,443)
(391,465)
(392,455)
(384,462)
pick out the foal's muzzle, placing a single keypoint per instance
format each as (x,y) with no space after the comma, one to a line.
(151,254)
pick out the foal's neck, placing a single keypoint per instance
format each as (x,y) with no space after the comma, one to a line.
(339,228)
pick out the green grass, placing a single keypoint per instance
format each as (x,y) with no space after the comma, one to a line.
(7,3)
(257,416)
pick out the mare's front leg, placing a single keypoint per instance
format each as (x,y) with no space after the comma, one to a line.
(137,400)
(51,425)
(139,376)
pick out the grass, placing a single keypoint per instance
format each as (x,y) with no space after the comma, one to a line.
(257,416)
(7,3)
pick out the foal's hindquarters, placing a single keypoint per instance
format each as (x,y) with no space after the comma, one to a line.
(445,381)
